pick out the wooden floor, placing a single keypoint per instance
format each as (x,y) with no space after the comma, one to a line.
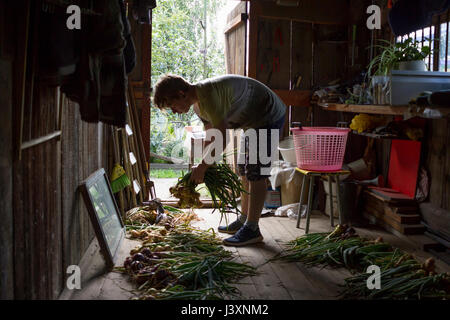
(287,280)
(275,281)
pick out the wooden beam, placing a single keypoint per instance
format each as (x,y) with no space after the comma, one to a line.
(309,11)
(254,12)
(146,53)
(146,78)
(20,67)
(169,159)
(236,22)
(37,141)
(295,98)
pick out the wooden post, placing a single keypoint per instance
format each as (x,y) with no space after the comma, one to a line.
(20,67)
(146,77)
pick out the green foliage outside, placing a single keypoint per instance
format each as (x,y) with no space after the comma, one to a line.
(178,48)
(165,173)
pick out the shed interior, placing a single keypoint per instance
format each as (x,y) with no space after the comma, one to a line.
(73,104)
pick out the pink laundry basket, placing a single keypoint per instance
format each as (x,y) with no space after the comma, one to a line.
(320,148)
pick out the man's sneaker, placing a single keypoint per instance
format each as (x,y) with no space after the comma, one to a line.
(244,236)
(232,228)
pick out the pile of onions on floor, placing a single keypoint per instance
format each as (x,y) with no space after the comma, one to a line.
(140,221)
(402,276)
(178,261)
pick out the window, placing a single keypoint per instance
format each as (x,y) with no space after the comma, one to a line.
(440,56)
(443,48)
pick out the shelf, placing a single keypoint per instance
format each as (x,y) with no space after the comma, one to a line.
(365,108)
(334,41)
(378,136)
(388,110)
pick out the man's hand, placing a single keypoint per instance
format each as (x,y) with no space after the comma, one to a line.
(198,173)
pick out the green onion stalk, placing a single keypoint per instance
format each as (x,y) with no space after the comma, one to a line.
(224,186)
(193,265)
(402,277)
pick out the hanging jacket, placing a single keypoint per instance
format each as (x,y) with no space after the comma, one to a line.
(57,45)
(129,52)
(100,85)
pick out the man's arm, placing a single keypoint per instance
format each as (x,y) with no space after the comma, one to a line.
(198,172)
(222,127)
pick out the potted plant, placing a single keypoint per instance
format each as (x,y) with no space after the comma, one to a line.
(412,57)
(407,55)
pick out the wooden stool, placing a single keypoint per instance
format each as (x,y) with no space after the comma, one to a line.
(310,175)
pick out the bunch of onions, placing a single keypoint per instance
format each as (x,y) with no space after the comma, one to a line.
(187,195)
(222,183)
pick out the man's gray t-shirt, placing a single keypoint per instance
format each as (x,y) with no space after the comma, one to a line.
(241,101)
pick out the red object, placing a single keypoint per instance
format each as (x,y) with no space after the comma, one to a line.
(276,64)
(404,166)
(389,4)
(279,35)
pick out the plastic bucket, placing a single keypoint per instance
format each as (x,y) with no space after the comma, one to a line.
(287,150)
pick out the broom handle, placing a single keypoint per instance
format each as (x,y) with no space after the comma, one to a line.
(135,149)
(147,184)
(139,135)
(117,160)
(128,169)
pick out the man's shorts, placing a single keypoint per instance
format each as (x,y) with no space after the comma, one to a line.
(246,160)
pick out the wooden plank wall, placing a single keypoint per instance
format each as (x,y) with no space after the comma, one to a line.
(273,58)
(136,33)
(330,63)
(286,47)
(44,224)
(322,12)
(302,59)
(437,161)
(140,78)
(6,174)
(274,53)
(52,229)
(82,153)
(235,43)
(36,205)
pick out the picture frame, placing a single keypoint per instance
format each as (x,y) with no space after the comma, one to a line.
(104,214)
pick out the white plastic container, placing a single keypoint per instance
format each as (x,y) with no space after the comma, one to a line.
(287,150)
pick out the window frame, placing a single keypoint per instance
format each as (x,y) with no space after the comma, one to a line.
(434,62)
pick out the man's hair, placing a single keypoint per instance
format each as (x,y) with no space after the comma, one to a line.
(167,88)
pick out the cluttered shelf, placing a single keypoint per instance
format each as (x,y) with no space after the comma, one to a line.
(365,108)
(425,112)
